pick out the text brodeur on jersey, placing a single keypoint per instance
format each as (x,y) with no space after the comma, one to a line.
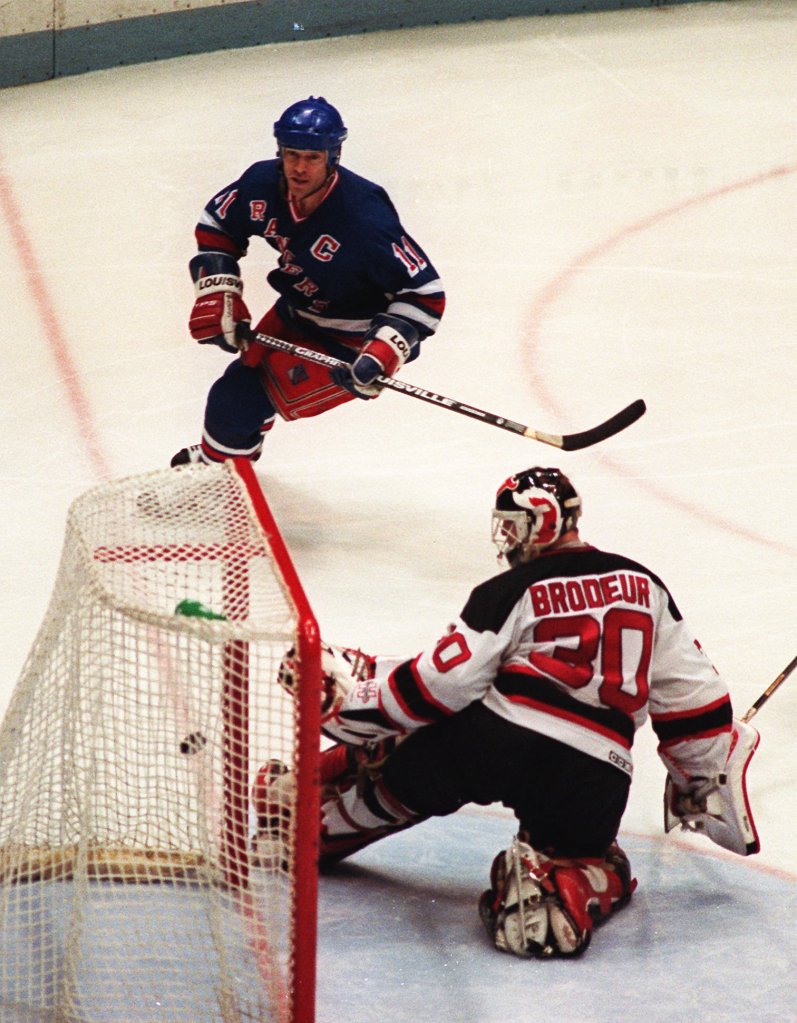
(562,596)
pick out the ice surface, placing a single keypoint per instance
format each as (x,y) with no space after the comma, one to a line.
(611,201)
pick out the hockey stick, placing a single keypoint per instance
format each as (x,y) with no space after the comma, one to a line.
(567,442)
(770,689)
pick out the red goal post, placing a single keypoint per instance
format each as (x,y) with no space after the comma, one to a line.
(132,886)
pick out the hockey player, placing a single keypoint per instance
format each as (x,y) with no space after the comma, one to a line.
(531,698)
(351,283)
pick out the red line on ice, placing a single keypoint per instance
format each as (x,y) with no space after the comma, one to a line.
(57,342)
(558,286)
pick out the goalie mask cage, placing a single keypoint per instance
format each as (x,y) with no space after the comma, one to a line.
(131,885)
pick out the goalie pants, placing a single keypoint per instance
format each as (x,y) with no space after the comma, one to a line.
(568,804)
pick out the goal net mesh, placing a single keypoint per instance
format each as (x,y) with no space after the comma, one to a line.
(132,883)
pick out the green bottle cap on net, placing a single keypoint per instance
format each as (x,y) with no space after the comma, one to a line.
(196,609)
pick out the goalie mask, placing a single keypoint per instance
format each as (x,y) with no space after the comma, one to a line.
(532,510)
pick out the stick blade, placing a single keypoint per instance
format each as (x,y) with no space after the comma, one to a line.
(618,422)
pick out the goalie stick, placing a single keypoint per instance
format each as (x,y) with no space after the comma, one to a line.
(567,442)
(770,689)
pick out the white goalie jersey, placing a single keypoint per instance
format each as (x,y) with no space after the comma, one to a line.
(580,645)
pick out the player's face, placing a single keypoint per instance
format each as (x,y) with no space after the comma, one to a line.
(305,170)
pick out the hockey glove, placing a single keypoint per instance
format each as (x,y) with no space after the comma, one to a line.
(387,347)
(341,669)
(718,807)
(219,316)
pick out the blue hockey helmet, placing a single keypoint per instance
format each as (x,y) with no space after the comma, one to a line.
(532,510)
(314,124)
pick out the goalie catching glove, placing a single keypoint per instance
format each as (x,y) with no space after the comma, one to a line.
(342,668)
(219,316)
(717,807)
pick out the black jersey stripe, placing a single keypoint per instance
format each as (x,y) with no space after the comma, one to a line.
(413,697)
(704,721)
(371,799)
(353,716)
(523,687)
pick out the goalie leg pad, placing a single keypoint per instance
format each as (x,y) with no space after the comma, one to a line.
(348,821)
(273,795)
(539,907)
(356,806)
(515,909)
(357,811)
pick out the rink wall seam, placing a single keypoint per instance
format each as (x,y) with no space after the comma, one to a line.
(38,43)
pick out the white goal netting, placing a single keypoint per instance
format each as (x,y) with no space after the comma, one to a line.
(129,888)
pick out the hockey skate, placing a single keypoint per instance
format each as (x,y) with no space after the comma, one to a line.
(192,455)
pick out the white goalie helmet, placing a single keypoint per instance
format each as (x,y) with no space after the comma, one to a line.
(532,510)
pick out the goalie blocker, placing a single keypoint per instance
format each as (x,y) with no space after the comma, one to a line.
(718,807)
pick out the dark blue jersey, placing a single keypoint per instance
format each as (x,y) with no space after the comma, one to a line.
(338,267)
